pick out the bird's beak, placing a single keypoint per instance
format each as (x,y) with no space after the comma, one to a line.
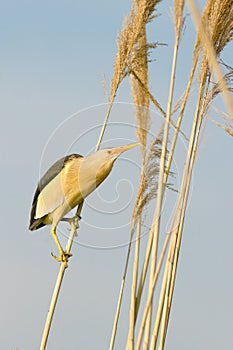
(118,150)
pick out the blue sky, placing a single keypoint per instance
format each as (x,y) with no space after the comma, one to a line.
(53,54)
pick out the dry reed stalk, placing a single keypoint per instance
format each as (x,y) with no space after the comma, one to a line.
(160,308)
(104,86)
(151,293)
(215,38)
(59,280)
(156,224)
(117,314)
(147,92)
(131,336)
(132,42)
(157,105)
(177,235)
(227,119)
(196,55)
(152,172)
(149,177)
(164,300)
(171,266)
(148,251)
(176,229)
(163,288)
(168,165)
(64,265)
(164,305)
(141,102)
(147,191)
(139,16)
(178,4)
(146,260)
(227,129)
(183,105)
(127,38)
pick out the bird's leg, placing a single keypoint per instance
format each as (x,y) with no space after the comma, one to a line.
(64,256)
(76,217)
(74,222)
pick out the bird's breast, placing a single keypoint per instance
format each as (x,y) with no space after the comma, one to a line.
(79,179)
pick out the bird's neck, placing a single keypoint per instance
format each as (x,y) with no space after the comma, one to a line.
(103,172)
(92,174)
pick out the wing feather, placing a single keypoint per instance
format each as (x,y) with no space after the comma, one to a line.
(52,197)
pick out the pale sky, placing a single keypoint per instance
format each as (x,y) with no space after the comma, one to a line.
(53,54)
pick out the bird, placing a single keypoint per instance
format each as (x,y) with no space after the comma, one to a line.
(66,184)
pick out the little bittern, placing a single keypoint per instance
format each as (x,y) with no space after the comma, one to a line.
(66,184)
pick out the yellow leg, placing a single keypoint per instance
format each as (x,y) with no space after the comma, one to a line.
(64,256)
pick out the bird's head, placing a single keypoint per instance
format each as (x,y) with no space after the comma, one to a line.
(103,160)
(111,154)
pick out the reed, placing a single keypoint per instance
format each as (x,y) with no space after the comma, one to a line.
(141,102)
(177,228)
(214,32)
(132,56)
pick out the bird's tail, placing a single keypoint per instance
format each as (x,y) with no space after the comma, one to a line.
(35,224)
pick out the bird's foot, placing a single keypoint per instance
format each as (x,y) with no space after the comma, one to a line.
(76,218)
(74,222)
(64,257)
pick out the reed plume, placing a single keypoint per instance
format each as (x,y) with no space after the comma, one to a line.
(215,32)
(132,56)
(167,289)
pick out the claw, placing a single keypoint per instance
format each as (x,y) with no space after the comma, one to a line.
(64,257)
(74,222)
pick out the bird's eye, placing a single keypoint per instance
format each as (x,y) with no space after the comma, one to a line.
(109,152)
